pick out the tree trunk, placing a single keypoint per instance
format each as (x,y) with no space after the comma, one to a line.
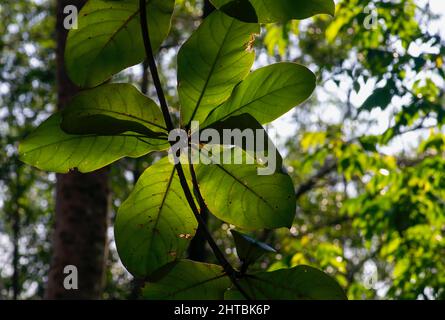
(82,201)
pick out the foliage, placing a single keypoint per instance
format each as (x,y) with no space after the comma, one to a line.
(91,50)
(110,121)
(368,177)
(264,11)
(26,96)
(365,207)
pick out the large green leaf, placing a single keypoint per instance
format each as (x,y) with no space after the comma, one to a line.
(108,38)
(299,283)
(155,224)
(268,93)
(235,193)
(212,62)
(49,148)
(188,280)
(113,109)
(234,127)
(270,11)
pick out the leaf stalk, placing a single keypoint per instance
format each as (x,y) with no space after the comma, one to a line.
(228,268)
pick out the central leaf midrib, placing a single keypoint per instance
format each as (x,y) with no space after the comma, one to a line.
(161,206)
(212,69)
(75,137)
(115,33)
(250,102)
(271,283)
(196,285)
(126,115)
(245,186)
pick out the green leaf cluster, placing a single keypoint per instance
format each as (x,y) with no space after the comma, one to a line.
(108,121)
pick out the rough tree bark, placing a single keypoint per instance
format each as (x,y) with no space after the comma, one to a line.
(82,201)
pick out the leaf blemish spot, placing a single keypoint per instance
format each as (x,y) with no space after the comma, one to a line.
(250,45)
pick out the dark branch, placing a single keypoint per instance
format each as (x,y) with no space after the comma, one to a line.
(305,187)
(231,272)
(152,64)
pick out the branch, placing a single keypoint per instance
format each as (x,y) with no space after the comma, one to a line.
(305,187)
(152,64)
(331,164)
(225,264)
(357,267)
(321,226)
(230,271)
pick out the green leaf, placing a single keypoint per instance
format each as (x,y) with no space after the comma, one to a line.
(299,283)
(113,109)
(268,93)
(369,143)
(155,224)
(380,98)
(212,62)
(248,249)
(51,149)
(188,280)
(243,122)
(236,194)
(108,38)
(270,11)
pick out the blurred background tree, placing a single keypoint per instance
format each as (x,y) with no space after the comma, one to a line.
(366,152)
(368,158)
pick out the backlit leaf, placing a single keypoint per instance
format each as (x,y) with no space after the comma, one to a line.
(270,11)
(108,38)
(155,224)
(50,148)
(113,109)
(233,128)
(188,280)
(237,194)
(212,62)
(268,93)
(299,283)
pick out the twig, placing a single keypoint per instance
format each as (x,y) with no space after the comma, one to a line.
(230,271)
(152,64)
(327,168)
(233,274)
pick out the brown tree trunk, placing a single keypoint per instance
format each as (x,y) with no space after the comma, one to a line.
(80,231)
